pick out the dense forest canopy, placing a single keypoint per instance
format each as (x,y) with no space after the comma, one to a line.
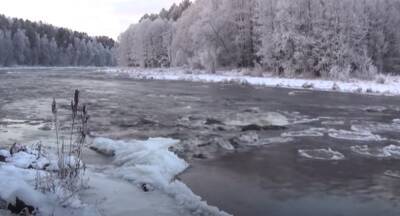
(323,38)
(23,42)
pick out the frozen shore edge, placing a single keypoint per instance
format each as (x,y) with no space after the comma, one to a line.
(391,86)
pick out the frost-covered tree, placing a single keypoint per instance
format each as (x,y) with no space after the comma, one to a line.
(146,44)
(322,38)
(21,46)
(28,43)
(6,48)
(319,38)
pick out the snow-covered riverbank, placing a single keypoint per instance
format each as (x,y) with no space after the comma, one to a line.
(382,85)
(142,176)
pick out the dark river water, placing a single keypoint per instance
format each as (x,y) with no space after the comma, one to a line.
(242,170)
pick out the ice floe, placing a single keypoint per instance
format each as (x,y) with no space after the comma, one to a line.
(375,109)
(332,123)
(260,119)
(375,127)
(297,118)
(249,138)
(275,140)
(312,132)
(370,152)
(225,144)
(390,151)
(151,162)
(391,173)
(354,135)
(393,150)
(321,154)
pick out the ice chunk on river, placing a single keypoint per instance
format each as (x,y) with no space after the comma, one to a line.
(312,132)
(148,161)
(322,154)
(332,123)
(354,135)
(151,162)
(275,140)
(260,119)
(375,127)
(391,151)
(370,152)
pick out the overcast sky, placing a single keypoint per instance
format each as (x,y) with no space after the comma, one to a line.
(96,17)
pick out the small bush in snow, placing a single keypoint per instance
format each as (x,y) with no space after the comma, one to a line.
(69,176)
(381,79)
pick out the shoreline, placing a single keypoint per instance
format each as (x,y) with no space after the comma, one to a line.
(354,86)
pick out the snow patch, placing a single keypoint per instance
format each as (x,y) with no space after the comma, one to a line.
(22,160)
(322,154)
(5,153)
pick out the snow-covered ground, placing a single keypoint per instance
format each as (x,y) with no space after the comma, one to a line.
(142,176)
(390,87)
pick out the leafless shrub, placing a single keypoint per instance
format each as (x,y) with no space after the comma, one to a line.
(69,178)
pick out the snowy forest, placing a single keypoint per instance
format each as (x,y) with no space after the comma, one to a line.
(23,42)
(309,38)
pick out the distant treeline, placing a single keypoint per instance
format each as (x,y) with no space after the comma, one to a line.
(23,42)
(322,38)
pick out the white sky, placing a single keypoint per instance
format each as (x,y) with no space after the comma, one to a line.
(96,17)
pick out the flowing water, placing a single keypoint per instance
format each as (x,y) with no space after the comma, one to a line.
(324,154)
